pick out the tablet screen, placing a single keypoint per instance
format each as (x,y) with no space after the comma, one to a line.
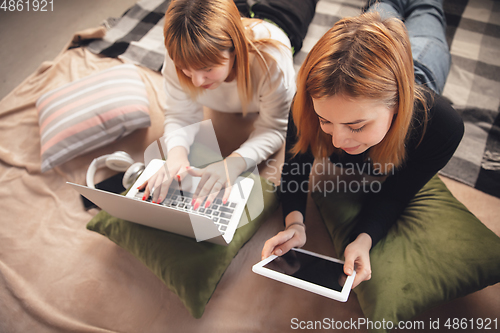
(309,268)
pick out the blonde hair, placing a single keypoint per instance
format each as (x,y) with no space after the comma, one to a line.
(359,57)
(197,31)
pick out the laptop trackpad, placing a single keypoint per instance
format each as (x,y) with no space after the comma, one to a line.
(203,228)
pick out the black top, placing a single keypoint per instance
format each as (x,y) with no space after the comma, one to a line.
(384,205)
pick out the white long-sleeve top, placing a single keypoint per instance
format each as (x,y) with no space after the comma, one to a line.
(273,91)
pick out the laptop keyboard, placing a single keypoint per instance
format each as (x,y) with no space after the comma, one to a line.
(218,212)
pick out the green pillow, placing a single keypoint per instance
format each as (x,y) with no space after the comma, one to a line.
(190,269)
(437,251)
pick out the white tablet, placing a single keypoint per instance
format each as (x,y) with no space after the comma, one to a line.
(309,271)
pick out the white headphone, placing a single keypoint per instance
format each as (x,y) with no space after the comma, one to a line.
(118,161)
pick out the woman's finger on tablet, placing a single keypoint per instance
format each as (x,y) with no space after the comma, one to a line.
(357,257)
(362,267)
(297,239)
(287,246)
(349,269)
(273,243)
(283,242)
(349,265)
(362,274)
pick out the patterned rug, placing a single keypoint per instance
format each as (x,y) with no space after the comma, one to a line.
(473,87)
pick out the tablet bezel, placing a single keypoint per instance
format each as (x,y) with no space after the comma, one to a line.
(341,296)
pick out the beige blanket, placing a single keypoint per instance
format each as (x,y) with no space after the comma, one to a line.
(56,276)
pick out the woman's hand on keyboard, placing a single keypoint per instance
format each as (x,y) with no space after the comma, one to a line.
(175,167)
(215,177)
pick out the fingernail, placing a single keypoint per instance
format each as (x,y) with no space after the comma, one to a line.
(224,201)
(144,198)
(196,206)
(192,202)
(278,252)
(138,187)
(178,177)
(207,204)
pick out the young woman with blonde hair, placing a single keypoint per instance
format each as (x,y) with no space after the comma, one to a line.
(367,95)
(217,59)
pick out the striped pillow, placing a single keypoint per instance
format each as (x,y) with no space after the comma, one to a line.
(91,112)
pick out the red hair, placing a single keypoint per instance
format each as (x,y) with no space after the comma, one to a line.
(359,57)
(197,31)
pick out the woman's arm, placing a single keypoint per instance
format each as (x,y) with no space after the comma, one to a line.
(180,110)
(294,174)
(274,89)
(357,257)
(295,170)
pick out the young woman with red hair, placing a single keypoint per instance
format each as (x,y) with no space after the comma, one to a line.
(367,95)
(219,60)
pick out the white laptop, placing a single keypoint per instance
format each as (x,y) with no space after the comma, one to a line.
(216,224)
